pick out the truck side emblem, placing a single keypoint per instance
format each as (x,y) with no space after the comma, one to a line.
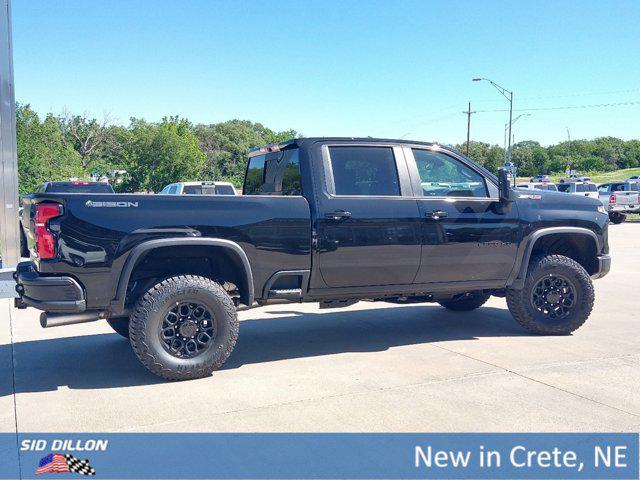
(91,203)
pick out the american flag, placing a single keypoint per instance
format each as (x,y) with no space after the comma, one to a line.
(63,463)
(54,462)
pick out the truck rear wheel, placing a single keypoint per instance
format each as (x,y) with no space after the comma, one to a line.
(120,325)
(617,218)
(184,327)
(557,296)
(466,301)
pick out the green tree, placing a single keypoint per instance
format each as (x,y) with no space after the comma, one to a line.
(156,154)
(43,154)
(489,156)
(225,146)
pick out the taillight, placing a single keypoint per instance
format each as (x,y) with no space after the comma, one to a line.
(45,240)
(612,199)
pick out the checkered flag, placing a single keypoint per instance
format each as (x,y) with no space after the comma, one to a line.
(79,466)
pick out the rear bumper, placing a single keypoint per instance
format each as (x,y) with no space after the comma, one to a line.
(604,265)
(51,294)
(623,208)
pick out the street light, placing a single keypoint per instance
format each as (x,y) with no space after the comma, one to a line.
(506,126)
(509,97)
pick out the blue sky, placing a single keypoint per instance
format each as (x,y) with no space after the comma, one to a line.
(348,68)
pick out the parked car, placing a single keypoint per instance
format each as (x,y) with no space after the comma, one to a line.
(541,178)
(584,189)
(633,178)
(199,188)
(620,199)
(328,220)
(59,187)
(538,186)
(74,187)
(576,177)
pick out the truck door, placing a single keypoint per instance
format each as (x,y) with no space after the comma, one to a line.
(368,221)
(464,237)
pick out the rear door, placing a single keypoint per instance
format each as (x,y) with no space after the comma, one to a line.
(464,237)
(367,226)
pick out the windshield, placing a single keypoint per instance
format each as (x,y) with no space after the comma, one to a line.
(225,190)
(199,190)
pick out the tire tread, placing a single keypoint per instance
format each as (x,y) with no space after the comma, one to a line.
(143,309)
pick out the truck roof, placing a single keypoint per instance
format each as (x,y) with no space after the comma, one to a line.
(301,141)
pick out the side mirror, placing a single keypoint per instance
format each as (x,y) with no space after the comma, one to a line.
(504,187)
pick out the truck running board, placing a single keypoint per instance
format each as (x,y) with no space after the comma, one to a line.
(286,294)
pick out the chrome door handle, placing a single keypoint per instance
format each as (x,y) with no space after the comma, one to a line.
(337,215)
(437,214)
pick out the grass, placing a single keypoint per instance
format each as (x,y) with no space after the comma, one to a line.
(597,177)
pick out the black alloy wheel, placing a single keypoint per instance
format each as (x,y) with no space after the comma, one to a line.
(554,296)
(187,329)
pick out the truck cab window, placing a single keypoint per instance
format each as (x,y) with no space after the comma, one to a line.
(369,171)
(444,176)
(276,173)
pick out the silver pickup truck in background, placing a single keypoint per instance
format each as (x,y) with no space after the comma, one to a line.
(620,199)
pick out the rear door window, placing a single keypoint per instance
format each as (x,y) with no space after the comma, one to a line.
(364,171)
(275,173)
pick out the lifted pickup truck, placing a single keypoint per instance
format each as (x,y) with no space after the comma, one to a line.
(619,199)
(328,220)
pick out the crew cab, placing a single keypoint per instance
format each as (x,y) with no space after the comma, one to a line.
(538,186)
(620,199)
(584,189)
(327,220)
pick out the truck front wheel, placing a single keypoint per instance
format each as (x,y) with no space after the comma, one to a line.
(184,327)
(617,218)
(557,297)
(466,301)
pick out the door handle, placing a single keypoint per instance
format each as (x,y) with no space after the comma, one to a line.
(337,215)
(436,214)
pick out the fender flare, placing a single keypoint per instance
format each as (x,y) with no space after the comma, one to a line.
(117,304)
(516,278)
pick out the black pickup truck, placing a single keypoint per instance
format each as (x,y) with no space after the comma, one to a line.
(328,220)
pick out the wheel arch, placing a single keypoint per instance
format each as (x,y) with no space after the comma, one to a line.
(141,251)
(583,244)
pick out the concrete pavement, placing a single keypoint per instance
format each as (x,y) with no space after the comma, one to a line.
(369,367)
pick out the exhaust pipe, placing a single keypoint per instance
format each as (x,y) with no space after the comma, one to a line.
(58,319)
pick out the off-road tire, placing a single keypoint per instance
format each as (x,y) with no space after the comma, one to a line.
(617,218)
(528,316)
(466,302)
(120,325)
(150,311)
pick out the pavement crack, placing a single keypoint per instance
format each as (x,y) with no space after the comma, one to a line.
(327,397)
(526,377)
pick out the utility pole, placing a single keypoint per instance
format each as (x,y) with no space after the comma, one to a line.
(569,151)
(468,127)
(468,114)
(9,238)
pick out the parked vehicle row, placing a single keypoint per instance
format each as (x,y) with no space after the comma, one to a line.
(328,220)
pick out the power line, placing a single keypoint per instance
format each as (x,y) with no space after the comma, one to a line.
(566,107)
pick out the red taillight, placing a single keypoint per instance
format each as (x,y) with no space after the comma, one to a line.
(79,183)
(612,199)
(45,240)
